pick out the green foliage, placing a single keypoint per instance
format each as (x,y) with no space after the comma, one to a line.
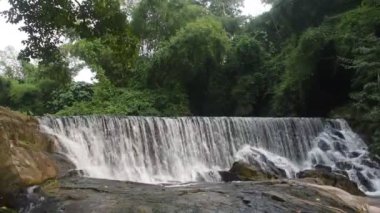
(7,210)
(198,57)
(113,55)
(246,62)
(190,58)
(364,109)
(66,97)
(25,97)
(156,21)
(300,64)
(47,21)
(371,3)
(223,7)
(32,98)
(108,100)
(5,87)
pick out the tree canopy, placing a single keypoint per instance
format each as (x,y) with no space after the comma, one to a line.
(197,57)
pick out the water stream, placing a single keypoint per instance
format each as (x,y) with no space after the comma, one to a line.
(189,149)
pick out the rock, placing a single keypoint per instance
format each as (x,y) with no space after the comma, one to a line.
(324,146)
(354,154)
(344,165)
(75,173)
(338,134)
(63,164)
(258,167)
(248,172)
(342,172)
(259,197)
(228,176)
(365,182)
(261,162)
(370,164)
(323,168)
(340,147)
(24,157)
(370,175)
(332,179)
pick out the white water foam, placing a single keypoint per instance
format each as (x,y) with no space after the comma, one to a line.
(190,149)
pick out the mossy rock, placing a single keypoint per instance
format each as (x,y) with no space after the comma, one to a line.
(50,187)
(248,172)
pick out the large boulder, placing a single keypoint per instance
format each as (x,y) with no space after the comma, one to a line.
(253,166)
(261,162)
(324,177)
(242,171)
(24,158)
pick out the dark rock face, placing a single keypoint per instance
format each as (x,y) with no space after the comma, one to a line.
(340,147)
(338,134)
(371,164)
(353,154)
(323,168)
(63,163)
(332,179)
(91,195)
(75,173)
(228,176)
(248,172)
(324,146)
(366,183)
(260,162)
(344,165)
(252,171)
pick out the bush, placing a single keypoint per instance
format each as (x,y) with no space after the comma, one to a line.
(5,87)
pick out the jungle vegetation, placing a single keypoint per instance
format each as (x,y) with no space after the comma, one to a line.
(311,58)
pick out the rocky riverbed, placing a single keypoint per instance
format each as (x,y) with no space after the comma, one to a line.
(77,194)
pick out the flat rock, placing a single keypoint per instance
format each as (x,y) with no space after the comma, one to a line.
(325,177)
(91,195)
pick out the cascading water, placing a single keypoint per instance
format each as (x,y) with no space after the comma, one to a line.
(156,150)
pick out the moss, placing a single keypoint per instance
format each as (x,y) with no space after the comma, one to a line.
(6,210)
(247,172)
(51,187)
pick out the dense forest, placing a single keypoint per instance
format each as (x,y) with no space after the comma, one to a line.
(312,58)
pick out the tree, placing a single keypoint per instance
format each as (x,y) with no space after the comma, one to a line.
(223,7)
(10,66)
(155,21)
(190,58)
(48,22)
(252,84)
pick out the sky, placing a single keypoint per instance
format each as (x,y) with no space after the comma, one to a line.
(11,36)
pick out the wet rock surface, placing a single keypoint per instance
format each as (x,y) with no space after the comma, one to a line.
(93,195)
(336,179)
(253,171)
(366,183)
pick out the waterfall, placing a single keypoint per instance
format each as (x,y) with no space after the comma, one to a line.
(187,149)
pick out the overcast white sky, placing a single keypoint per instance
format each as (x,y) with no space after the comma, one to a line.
(11,36)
